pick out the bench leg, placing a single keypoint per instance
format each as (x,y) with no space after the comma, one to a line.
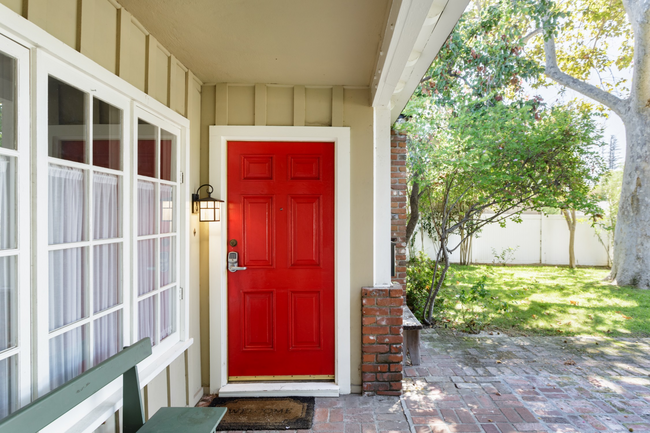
(133,411)
(413,345)
(405,343)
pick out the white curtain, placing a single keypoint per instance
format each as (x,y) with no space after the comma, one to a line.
(146,208)
(8,389)
(108,336)
(7,264)
(166,208)
(147,318)
(66,356)
(167,308)
(105,206)
(167,261)
(67,270)
(106,267)
(106,261)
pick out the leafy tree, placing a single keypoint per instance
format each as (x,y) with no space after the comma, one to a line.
(505,158)
(482,58)
(577,45)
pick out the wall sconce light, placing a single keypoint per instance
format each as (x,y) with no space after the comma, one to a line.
(209,208)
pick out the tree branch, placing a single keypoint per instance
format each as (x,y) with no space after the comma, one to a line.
(616,104)
(531,35)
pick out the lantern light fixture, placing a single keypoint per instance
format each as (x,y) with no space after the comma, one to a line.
(209,208)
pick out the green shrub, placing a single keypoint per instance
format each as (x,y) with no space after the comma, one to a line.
(418,282)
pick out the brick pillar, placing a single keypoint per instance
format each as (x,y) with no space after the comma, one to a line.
(398,203)
(381,366)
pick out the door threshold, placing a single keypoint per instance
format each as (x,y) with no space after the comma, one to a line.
(280,389)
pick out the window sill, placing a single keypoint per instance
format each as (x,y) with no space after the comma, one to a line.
(89,415)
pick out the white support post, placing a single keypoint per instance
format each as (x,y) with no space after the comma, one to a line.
(381,203)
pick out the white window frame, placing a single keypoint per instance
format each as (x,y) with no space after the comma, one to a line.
(23,194)
(89,415)
(140,113)
(46,66)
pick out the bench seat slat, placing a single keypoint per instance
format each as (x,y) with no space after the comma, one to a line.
(184,419)
(409,320)
(44,410)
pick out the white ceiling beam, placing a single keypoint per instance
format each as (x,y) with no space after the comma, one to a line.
(415,32)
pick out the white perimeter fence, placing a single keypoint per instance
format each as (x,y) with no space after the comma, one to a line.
(538,239)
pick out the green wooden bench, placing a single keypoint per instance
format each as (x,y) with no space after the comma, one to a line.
(44,410)
(412,327)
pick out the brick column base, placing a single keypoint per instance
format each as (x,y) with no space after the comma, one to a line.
(381,367)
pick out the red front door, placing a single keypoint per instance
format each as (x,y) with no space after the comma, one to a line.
(281,223)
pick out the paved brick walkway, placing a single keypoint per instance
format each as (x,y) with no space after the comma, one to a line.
(494,383)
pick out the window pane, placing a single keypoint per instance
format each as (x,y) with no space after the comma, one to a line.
(7,105)
(106,206)
(67,356)
(146,149)
(66,205)
(166,208)
(8,386)
(147,318)
(67,121)
(167,261)
(167,313)
(8,295)
(8,227)
(108,336)
(107,135)
(146,266)
(107,276)
(67,286)
(146,208)
(167,155)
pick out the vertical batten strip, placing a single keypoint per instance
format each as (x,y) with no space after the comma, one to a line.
(149,70)
(86,15)
(337,106)
(260,105)
(123,22)
(171,80)
(299,106)
(221,104)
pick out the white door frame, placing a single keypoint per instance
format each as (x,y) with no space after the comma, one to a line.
(219,137)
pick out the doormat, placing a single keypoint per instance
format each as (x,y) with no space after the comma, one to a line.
(265,413)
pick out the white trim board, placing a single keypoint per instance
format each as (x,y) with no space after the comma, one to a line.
(219,136)
(280,389)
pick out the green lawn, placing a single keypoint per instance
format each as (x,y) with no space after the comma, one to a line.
(547,300)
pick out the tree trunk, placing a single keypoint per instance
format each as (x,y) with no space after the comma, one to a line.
(631,264)
(571,222)
(414,202)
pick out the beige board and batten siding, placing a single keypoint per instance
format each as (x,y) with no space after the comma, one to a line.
(109,35)
(281,105)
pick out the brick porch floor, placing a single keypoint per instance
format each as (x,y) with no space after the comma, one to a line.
(494,383)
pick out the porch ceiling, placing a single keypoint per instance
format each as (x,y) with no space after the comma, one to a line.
(315,42)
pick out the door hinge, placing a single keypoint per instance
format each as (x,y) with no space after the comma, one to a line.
(180,293)
(182,177)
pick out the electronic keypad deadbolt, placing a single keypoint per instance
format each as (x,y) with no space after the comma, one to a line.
(233,262)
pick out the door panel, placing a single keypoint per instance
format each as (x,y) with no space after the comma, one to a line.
(258,320)
(281,222)
(305,230)
(257,231)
